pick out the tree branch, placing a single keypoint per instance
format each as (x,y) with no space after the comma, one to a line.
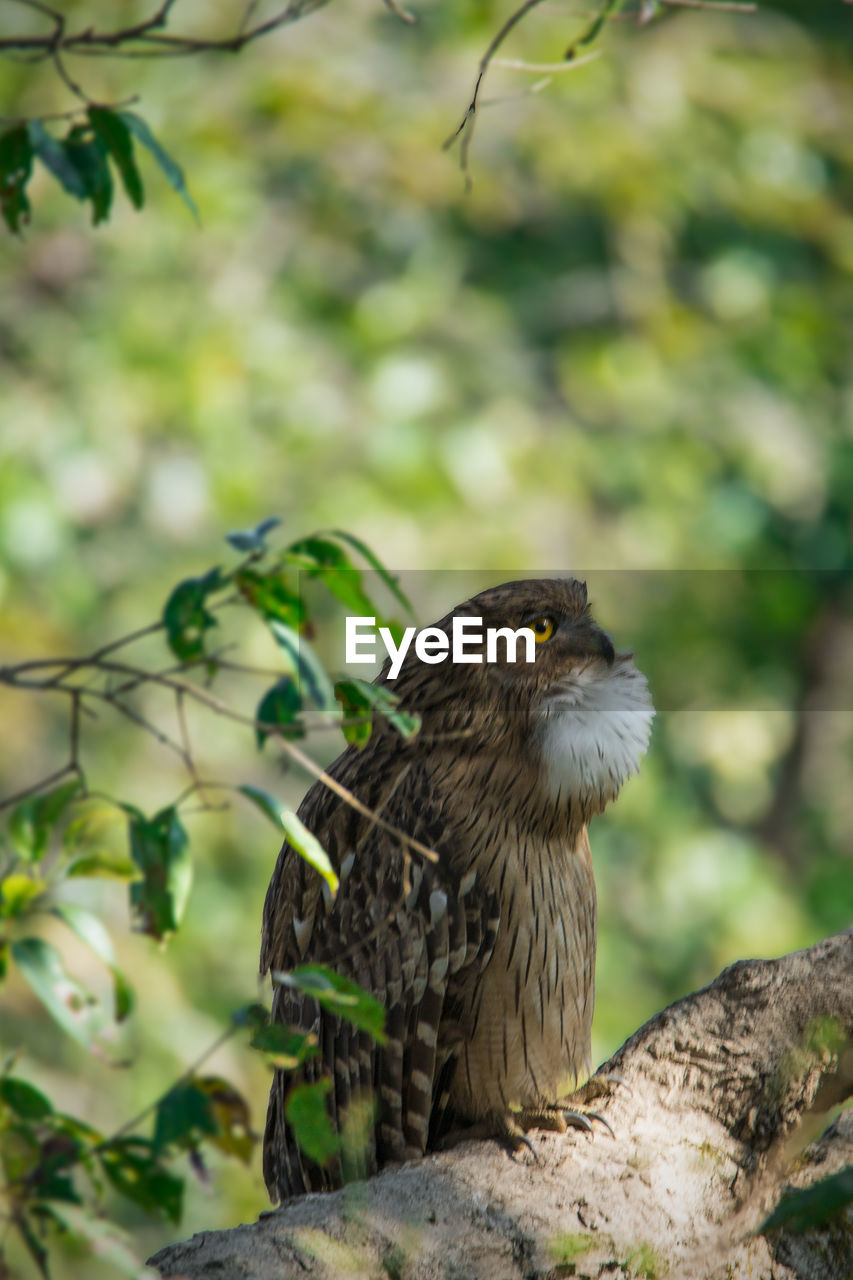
(706,1139)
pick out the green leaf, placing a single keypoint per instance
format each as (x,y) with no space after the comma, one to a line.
(339,995)
(323,559)
(311,677)
(306,1112)
(65,1000)
(54,156)
(25,1100)
(594,28)
(185,616)
(88,155)
(357,710)
(131,1165)
(116,137)
(280,706)
(253,539)
(231,1116)
(802,1210)
(91,931)
(284,1047)
(298,835)
(34,1245)
(251,1015)
(32,821)
(160,849)
(173,172)
(16,166)
(388,578)
(100,863)
(272,595)
(17,891)
(183,1116)
(360,700)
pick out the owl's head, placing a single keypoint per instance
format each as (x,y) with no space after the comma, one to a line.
(580,709)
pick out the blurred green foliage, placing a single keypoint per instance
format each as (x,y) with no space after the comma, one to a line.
(627,348)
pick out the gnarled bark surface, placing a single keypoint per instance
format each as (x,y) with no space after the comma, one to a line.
(723,1091)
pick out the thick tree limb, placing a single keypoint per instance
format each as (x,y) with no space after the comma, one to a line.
(723,1091)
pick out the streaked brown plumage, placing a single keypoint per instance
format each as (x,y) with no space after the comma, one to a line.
(484,961)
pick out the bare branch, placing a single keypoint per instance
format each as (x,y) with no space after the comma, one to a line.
(41,785)
(398,12)
(150,32)
(724,6)
(517,64)
(12,676)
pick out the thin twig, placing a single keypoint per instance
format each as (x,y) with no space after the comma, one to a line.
(466,125)
(41,785)
(398,12)
(724,6)
(183,1078)
(150,34)
(167,680)
(517,64)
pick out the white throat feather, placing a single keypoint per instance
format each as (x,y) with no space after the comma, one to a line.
(593,730)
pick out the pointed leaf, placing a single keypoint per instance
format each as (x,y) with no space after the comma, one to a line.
(132,1167)
(298,835)
(35,1248)
(251,1015)
(65,1000)
(280,706)
(117,139)
(231,1115)
(16,166)
(360,700)
(306,1112)
(253,539)
(25,1100)
(159,848)
(88,155)
(91,931)
(339,995)
(186,617)
(284,1047)
(54,156)
(172,170)
(101,863)
(183,1116)
(321,558)
(311,678)
(17,891)
(272,595)
(387,577)
(32,821)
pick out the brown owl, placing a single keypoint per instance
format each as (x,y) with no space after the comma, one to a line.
(485,959)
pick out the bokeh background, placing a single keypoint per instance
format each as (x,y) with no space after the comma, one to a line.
(625,351)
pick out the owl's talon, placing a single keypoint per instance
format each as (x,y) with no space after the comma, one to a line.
(595,1115)
(559,1117)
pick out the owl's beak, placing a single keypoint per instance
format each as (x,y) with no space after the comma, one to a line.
(589,641)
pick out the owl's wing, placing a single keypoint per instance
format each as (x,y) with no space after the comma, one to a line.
(403,929)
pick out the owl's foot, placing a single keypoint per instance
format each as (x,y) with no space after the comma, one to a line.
(597,1086)
(559,1118)
(574,1111)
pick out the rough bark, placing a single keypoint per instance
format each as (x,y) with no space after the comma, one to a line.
(724,1094)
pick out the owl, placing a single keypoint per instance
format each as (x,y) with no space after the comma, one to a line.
(484,959)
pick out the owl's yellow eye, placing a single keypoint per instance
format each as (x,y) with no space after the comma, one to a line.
(542,628)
